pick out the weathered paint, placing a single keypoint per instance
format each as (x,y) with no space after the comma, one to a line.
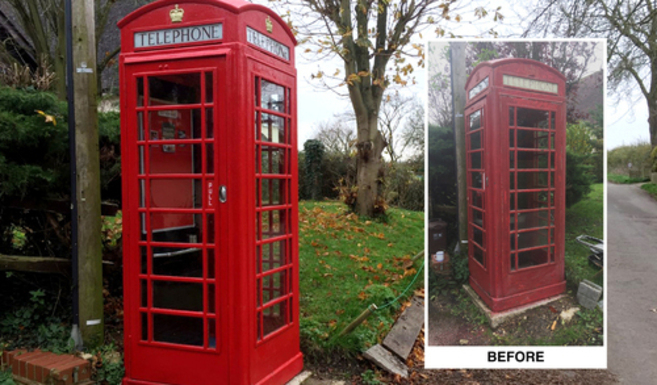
(493,166)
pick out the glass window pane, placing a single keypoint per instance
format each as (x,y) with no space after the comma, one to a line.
(209,123)
(512,240)
(512,180)
(532,139)
(273,255)
(274,286)
(178,295)
(180,193)
(272,129)
(209,87)
(475,160)
(178,262)
(476,180)
(512,159)
(273,318)
(144,326)
(273,223)
(511,116)
(532,200)
(474,91)
(512,138)
(272,160)
(175,159)
(528,117)
(140,92)
(178,330)
(513,262)
(272,96)
(478,254)
(477,217)
(475,141)
(475,120)
(274,192)
(532,257)
(174,89)
(532,180)
(532,159)
(533,219)
(532,239)
(477,199)
(478,236)
(512,201)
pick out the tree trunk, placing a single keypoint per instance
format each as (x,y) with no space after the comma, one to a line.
(652,105)
(652,121)
(88,175)
(369,148)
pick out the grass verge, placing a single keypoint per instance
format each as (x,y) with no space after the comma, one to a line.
(651,188)
(348,263)
(584,217)
(623,179)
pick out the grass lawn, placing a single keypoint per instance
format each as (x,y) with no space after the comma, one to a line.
(624,179)
(348,263)
(584,217)
(651,188)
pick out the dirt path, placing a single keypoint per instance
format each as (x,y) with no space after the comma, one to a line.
(632,283)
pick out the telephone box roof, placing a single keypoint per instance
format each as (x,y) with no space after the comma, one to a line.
(235,6)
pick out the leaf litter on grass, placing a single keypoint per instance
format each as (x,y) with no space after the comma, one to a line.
(348,262)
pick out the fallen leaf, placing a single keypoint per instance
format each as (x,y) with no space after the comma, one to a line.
(552,309)
(554,325)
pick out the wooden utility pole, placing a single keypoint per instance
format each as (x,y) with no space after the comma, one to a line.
(82,59)
(457,56)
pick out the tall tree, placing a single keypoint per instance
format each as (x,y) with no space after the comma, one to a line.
(368,36)
(631,29)
(337,135)
(43,23)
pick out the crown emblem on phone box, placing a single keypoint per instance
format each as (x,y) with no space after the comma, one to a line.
(176,14)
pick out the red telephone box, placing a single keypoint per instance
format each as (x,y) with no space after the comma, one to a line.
(208,120)
(515,121)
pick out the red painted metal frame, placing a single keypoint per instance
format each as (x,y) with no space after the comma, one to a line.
(492,182)
(250,272)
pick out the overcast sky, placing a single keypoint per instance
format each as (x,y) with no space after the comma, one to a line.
(626,120)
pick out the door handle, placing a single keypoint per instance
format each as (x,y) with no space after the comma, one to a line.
(222,194)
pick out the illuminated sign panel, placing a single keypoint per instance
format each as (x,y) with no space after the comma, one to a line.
(164,37)
(530,84)
(267,43)
(478,88)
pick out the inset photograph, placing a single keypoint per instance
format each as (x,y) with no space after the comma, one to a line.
(515,193)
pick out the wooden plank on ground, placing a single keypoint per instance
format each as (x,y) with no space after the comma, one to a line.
(404,332)
(386,360)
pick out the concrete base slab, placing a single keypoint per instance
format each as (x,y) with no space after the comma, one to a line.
(300,378)
(496,319)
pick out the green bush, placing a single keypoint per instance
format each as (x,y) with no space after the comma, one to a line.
(404,185)
(638,154)
(578,178)
(442,177)
(35,170)
(313,151)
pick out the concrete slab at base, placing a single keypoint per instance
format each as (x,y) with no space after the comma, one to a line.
(300,378)
(496,319)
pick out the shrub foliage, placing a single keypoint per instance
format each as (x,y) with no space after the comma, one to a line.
(34,171)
